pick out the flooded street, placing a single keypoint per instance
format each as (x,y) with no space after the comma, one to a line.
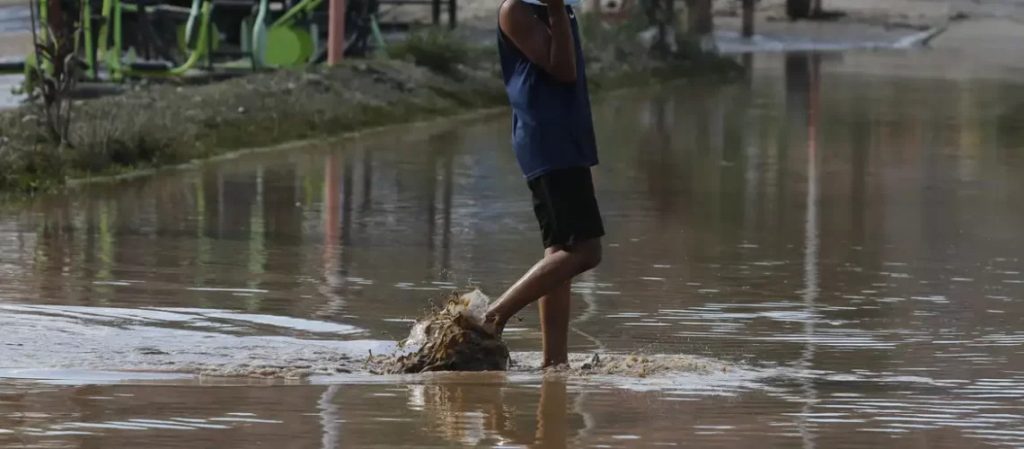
(828,255)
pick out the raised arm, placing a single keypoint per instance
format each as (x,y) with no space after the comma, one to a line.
(549,46)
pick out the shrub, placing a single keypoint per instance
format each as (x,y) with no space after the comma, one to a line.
(434,48)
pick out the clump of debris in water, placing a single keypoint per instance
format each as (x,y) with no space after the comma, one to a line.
(449,338)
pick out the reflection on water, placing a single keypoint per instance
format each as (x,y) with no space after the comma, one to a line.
(803,89)
(846,247)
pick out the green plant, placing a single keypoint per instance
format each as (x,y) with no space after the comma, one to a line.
(435,48)
(54,66)
(30,168)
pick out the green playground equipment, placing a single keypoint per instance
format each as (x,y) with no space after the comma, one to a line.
(111,51)
(297,35)
(102,52)
(159,38)
(123,39)
(286,42)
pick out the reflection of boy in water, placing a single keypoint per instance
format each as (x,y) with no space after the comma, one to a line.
(476,414)
(553,138)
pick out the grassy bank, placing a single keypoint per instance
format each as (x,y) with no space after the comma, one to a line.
(429,76)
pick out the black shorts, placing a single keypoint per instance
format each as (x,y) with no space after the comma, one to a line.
(566,207)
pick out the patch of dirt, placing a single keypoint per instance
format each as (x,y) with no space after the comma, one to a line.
(448,339)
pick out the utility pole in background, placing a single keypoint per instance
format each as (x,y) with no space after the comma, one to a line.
(699,17)
(335,31)
(798,9)
(748,18)
(700,22)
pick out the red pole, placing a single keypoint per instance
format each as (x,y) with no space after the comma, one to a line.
(331,208)
(335,31)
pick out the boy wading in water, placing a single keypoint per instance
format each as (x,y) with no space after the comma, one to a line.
(553,137)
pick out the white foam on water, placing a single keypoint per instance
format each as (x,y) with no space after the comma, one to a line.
(247,420)
(74,344)
(200,423)
(104,313)
(87,376)
(159,424)
(60,433)
(227,290)
(288,322)
(87,345)
(112,425)
(678,373)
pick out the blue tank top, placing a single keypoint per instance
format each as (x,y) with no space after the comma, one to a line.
(551,123)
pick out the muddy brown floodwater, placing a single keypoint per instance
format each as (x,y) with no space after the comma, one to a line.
(825,256)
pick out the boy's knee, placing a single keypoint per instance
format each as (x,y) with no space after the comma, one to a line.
(593,260)
(590,255)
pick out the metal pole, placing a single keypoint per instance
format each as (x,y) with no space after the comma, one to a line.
(798,9)
(748,18)
(452,13)
(335,31)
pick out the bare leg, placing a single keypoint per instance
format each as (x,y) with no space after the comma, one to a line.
(557,268)
(554,324)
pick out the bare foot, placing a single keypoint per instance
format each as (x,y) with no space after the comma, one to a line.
(492,325)
(554,368)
